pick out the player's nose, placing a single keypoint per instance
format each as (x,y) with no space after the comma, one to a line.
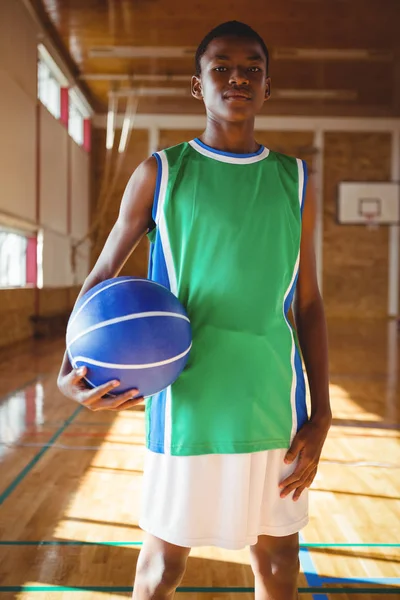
(238,76)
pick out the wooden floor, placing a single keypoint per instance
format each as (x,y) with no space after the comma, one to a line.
(70,484)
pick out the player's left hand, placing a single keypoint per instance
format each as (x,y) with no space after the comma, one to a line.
(307,446)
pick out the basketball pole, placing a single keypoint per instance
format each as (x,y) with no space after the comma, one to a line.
(393,292)
(154,139)
(319,191)
(394,234)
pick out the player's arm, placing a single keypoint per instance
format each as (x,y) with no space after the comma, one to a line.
(134,220)
(312,333)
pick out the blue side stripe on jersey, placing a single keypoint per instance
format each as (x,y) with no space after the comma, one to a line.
(232,154)
(150,263)
(304,185)
(157,265)
(301,406)
(157,423)
(289,297)
(158,272)
(300,393)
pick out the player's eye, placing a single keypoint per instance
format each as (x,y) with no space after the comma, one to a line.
(220,69)
(254,69)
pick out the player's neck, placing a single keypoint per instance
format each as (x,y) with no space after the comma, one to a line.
(237,138)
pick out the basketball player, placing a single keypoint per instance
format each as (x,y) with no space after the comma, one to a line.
(231,449)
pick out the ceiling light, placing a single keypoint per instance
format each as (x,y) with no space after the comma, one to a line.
(141,52)
(150,91)
(301,94)
(335,54)
(136,77)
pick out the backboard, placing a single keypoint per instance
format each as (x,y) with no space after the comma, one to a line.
(368,203)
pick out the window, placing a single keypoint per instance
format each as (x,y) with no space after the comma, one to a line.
(50,81)
(13,250)
(65,102)
(75,120)
(49,89)
(18,258)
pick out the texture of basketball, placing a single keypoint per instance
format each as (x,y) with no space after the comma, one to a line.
(130,329)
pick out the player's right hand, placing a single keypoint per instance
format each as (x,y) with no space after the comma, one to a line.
(73,386)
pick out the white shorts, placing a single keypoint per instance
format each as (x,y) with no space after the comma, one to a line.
(224,500)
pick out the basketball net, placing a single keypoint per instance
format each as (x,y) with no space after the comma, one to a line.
(371,221)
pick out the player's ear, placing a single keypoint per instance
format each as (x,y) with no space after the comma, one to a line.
(196,88)
(267,88)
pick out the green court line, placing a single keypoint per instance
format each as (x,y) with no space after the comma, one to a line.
(65,543)
(37,457)
(231,590)
(84,543)
(347,545)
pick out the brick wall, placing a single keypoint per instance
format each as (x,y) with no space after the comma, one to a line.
(18,305)
(355,277)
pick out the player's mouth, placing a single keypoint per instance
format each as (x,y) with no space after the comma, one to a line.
(241,95)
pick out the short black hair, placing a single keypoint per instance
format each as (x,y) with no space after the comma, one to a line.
(234,28)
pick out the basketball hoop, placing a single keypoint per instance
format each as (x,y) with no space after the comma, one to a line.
(367,203)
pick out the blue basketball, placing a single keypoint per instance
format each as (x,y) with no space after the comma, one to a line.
(130,329)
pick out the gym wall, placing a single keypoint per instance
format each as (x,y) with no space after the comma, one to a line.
(355,259)
(44,181)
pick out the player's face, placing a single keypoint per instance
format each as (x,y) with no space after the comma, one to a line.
(233,83)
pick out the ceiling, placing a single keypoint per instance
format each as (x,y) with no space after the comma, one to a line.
(328,57)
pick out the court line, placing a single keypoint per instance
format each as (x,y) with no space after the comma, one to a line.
(310,571)
(348,545)
(37,457)
(233,590)
(87,543)
(371,580)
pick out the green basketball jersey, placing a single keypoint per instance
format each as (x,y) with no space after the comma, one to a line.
(226,243)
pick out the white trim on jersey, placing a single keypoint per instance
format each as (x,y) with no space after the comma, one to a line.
(292,354)
(168,421)
(300,167)
(229,158)
(161,223)
(166,246)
